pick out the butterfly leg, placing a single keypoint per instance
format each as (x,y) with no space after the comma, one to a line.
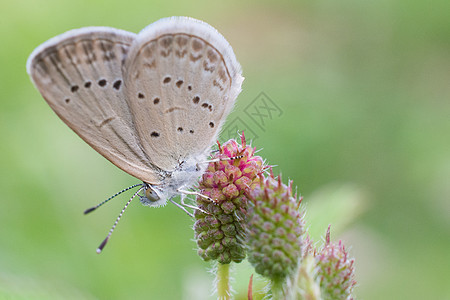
(223,159)
(182,207)
(184,193)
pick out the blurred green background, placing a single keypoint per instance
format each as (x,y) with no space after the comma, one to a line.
(364,89)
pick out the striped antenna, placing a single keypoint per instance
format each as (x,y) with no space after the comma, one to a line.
(102,245)
(115,195)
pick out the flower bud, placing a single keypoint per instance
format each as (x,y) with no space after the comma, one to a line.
(274,229)
(335,272)
(219,228)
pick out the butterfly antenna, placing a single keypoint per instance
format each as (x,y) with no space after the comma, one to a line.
(102,245)
(115,195)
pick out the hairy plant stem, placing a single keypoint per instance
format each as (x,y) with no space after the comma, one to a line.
(223,281)
(277,289)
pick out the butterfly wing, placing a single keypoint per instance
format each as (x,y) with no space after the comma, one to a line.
(182,80)
(79,74)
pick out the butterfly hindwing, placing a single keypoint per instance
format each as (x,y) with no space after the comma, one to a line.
(182,80)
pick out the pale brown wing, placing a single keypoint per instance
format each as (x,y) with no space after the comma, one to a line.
(182,80)
(79,74)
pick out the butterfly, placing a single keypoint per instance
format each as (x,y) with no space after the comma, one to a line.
(152,103)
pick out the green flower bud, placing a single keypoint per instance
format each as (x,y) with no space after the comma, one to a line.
(274,229)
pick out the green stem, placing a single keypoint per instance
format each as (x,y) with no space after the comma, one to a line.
(277,289)
(308,288)
(223,281)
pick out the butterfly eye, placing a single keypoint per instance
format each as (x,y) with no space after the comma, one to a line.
(151,194)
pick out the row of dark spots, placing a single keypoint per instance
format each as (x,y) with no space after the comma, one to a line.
(102,83)
(180,130)
(179,82)
(156,134)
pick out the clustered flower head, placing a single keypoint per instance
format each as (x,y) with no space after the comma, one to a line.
(219,230)
(274,229)
(335,270)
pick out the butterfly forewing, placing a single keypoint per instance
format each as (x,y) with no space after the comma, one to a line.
(79,74)
(182,79)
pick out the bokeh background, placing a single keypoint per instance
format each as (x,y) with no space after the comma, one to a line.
(363,129)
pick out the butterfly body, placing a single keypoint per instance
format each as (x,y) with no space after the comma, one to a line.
(173,183)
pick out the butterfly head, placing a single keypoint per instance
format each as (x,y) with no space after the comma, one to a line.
(153,196)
